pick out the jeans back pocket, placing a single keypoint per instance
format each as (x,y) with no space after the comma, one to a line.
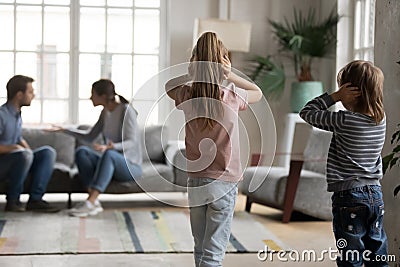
(352,219)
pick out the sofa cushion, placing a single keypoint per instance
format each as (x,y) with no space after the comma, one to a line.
(156,178)
(316,151)
(155,139)
(62,143)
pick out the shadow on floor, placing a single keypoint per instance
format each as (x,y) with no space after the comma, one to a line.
(296,217)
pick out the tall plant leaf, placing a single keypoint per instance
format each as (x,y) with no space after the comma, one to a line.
(305,38)
(269,76)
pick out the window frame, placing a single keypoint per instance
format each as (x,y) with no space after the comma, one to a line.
(366,12)
(74,52)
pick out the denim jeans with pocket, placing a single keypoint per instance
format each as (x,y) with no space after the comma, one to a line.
(212,203)
(97,170)
(358,226)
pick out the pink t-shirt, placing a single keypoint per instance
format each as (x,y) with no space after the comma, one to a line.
(213,153)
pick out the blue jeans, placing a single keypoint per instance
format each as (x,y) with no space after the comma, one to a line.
(358,226)
(16,165)
(97,170)
(212,203)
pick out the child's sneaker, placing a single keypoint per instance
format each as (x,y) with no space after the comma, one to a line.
(85,209)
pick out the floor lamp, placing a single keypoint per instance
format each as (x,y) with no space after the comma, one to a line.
(234,34)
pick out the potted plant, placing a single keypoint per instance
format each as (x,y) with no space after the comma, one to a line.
(302,40)
(392,159)
(269,75)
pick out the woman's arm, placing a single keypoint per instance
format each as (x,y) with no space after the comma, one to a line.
(130,130)
(87,136)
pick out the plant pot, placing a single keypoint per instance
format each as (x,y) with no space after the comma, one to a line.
(302,92)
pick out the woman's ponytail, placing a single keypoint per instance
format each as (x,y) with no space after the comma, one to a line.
(122,99)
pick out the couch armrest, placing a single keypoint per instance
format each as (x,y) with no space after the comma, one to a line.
(174,147)
(175,157)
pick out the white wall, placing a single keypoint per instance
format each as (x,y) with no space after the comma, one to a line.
(263,43)
(181,18)
(257,12)
(387,52)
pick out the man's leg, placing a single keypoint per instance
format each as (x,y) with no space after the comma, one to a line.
(14,167)
(41,171)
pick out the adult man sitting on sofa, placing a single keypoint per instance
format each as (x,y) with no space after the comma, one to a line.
(16,157)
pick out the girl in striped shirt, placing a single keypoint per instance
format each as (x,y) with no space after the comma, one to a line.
(354,165)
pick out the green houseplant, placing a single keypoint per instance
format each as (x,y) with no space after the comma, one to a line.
(269,75)
(393,157)
(302,40)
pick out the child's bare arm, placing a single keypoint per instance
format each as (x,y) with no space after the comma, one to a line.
(254,93)
(172,85)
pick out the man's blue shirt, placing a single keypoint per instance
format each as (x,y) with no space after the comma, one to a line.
(10,125)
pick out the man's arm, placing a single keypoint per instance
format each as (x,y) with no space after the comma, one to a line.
(8,148)
(24,144)
(4,149)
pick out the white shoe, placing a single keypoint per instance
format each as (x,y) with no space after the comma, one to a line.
(78,206)
(98,206)
(85,209)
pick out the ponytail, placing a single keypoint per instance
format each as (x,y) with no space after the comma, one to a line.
(122,99)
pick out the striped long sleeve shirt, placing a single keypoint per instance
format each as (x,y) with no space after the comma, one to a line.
(354,157)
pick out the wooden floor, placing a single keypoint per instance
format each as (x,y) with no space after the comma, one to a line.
(302,233)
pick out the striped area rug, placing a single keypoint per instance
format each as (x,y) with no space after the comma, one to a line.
(141,231)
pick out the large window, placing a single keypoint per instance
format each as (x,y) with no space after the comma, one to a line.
(66,45)
(364,25)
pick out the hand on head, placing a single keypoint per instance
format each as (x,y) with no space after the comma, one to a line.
(348,93)
(227,66)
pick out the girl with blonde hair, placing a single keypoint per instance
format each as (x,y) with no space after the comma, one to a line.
(211,96)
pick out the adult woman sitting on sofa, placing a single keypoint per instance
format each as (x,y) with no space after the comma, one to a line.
(98,164)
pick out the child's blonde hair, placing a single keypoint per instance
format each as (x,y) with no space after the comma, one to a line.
(208,75)
(369,79)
